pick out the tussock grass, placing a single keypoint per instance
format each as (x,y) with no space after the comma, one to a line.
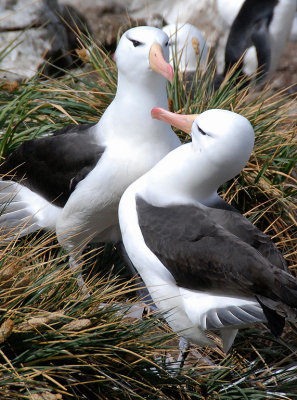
(56,344)
(53,339)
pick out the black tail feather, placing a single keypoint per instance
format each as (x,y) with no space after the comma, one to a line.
(275,322)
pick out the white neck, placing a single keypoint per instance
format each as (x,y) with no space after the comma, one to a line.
(129,114)
(182,177)
(142,95)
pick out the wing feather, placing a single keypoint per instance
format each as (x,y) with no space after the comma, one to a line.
(202,255)
(52,166)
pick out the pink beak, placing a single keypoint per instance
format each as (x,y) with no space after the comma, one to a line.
(180,121)
(158,63)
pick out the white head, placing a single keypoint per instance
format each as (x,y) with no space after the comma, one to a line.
(187,46)
(226,138)
(222,141)
(142,72)
(142,53)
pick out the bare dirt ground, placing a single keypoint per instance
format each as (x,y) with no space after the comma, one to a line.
(286,74)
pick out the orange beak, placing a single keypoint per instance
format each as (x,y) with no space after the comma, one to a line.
(180,121)
(158,63)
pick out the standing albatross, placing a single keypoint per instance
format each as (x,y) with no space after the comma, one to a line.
(203,263)
(72,182)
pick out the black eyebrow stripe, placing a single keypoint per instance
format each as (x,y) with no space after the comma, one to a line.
(134,40)
(201,130)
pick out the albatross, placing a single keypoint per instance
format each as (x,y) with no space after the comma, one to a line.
(205,265)
(187,47)
(72,181)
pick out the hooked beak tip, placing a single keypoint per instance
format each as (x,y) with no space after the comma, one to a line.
(158,63)
(170,73)
(155,112)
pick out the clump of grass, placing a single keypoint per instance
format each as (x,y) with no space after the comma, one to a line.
(55,342)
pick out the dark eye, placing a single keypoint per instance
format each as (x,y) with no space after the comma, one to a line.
(166,44)
(136,43)
(201,131)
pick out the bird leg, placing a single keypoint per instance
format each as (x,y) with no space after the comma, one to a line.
(184,349)
(175,366)
(75,267)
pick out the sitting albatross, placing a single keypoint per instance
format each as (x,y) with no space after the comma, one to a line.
(72,181)
(205,265)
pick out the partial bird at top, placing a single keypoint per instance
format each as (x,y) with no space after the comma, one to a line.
(231,27)
(71,182)
(252,36)
(187,47)
(206,266)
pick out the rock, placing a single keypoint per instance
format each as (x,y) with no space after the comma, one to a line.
(42,34)
(36,35)
(104,18)
(113,21)
(108,20)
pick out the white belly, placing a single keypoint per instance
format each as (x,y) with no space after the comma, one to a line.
(91,213)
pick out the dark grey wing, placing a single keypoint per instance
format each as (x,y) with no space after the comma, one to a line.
(231,220)
(73,128)
(53,165)
(202,255)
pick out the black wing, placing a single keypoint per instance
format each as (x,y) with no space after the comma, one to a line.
(232,220)
(53,165)
(80,129)
(202,255)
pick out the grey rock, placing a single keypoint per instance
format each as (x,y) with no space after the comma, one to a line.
(34,35)
(109,19)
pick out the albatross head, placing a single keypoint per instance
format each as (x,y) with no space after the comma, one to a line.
(226,138)
(222,139)
(142,52)
(186,46)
